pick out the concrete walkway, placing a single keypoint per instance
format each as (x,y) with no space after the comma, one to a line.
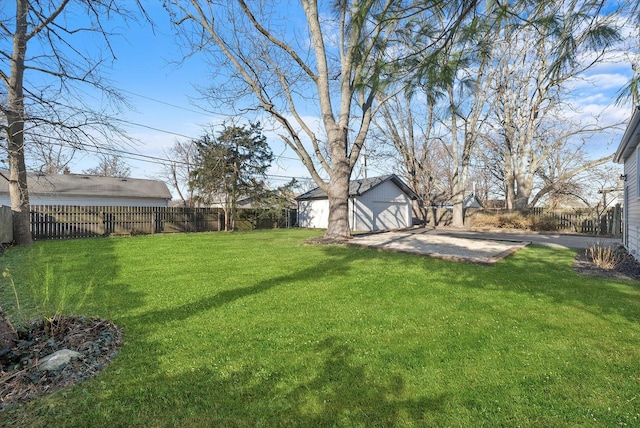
(468,245)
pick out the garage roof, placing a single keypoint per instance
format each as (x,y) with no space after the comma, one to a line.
(91,185)
(360,187)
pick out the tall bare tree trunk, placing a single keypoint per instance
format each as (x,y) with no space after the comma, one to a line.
(457,197)
(338,193)
(15,139)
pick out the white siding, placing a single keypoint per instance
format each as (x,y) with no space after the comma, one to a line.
(313,213)
(384,207)
(633,209)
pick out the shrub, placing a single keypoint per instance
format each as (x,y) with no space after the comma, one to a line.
(514,220)
(604,256)
(544,223)
(502,221)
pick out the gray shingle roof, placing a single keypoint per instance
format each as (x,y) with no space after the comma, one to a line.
(630,139)
(91,185)
(360,187)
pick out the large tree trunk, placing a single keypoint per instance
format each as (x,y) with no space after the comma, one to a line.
(523,192)
(338,193)
(458,177)
(18,189)
(458,213)
(15,134)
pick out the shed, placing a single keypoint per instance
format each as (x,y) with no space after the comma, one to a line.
(90,190)
(377,203)
(629,155)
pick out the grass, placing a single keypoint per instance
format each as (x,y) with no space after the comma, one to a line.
(258,329)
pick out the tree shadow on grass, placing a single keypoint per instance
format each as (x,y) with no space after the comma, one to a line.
(548,272)
(339,392)
(343,393)
(336,264)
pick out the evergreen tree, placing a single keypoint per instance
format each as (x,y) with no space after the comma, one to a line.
(229,166)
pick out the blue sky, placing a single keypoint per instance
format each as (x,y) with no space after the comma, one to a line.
(162,92)
(161,87)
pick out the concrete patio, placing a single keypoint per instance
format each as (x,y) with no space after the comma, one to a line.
(474,246)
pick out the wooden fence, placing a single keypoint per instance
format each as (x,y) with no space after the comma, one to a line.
(584,221)
(62,221)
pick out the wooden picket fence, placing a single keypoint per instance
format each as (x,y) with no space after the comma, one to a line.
(63,221)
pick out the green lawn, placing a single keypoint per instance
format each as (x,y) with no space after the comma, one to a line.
(259,329)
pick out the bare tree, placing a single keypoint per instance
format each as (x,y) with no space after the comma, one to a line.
(466,118)
(183,155)
(565,164)
(110,166)
(450,94)
(407,128)
(332,69)
(48,157)
(40,90)
(535,60)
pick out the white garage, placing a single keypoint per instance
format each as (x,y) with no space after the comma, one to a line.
(378,203)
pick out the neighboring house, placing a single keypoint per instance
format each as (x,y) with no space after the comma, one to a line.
(629,155)
(89,190)
(378,203)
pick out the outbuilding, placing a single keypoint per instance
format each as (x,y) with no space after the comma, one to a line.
(375,204)
(89,190)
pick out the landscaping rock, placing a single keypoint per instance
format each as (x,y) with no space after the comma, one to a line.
(57,360)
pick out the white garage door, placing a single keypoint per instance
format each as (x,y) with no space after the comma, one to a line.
(389,215)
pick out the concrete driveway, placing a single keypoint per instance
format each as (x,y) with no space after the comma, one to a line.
(470,245)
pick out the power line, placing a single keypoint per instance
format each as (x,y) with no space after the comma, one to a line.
(177,134)
(183,135)
(164,131)
(144,158)
(203,113)
(166,103)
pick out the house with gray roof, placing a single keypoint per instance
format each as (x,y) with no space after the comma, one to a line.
(89,190)
(375,204)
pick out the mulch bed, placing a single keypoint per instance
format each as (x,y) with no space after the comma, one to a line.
(626,268)
(20,377)
(98,341)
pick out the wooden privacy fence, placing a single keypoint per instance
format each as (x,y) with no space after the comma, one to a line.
(587,221)
(62,221)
